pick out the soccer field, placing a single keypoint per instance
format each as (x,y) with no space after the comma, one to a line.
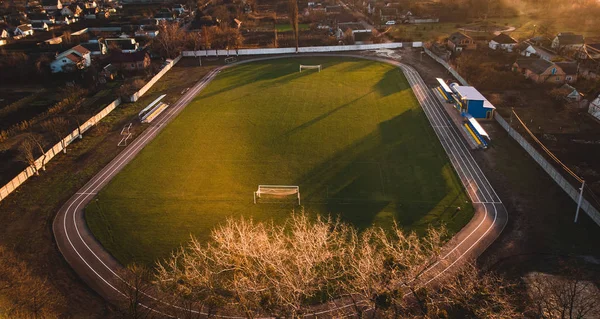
(352,136)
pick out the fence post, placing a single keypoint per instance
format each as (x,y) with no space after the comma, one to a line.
(579,201)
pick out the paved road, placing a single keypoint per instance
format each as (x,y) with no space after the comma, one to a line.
(101,271)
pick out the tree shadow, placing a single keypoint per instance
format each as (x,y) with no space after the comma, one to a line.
(387,175)
(388,84)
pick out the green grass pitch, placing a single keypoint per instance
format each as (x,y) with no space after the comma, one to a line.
(352,136)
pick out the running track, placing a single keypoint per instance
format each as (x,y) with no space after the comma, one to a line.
(101,271)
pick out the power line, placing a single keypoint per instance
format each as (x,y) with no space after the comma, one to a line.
(559,162)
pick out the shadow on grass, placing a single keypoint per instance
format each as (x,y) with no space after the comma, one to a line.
(387,175)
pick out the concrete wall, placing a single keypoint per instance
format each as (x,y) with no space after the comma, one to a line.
(56,149)
(334,48)
(447,66)
(150,83)
(573,192)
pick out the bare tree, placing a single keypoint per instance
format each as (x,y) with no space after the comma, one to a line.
(293,12)
(170,40)
(569,296)
(29,149)
(59,128)
(137,288)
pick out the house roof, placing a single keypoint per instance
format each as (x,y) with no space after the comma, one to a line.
(570,68)
(80,49)
(537,66)
(119,57)
(39,25)
(73,57)
(503,38)
(50,2)
(24,27)
(523,46)
(92,46)
(567,38)
(389,11)
(38,16)
(456,37)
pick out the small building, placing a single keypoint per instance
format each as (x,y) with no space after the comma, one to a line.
(469,100)
(4,34)
(543,71)
(135,61)
(125,45)
(24,30)
(109,72)
(71,10)
(52,5)
(41,17)
(503,42)
(96,48)
(40,26)
(571,93)
(459,41)
(179,8)
(76,58)
(567,41)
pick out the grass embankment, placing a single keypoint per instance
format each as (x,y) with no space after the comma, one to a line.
(352,136)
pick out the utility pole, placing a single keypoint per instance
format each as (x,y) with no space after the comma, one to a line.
(579,201)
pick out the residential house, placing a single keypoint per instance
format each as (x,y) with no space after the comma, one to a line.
(90,13)
(109,72)
(72,10)
(76,58)
(459,41)
(543,71)
(60,19)
(503,42)
(571,70)
(527,49)
(40,17)
(571,93)
(39,26)
(4,34)
(90,4)
(3,42)
(594,108)
(96,48)
(135,61)
(52,5)
(24,30)
(179,8)
(388,14)
(125,45)
(567,41)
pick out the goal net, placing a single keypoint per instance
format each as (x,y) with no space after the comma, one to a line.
(276,193)
(309,67)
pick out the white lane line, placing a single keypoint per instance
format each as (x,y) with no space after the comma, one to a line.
(153,133)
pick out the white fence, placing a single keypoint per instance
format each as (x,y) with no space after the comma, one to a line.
(56,149)
(553,172)
(447,66)
(333,48)
(157,77)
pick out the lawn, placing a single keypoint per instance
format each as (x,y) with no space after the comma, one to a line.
(288,27)
(352,136)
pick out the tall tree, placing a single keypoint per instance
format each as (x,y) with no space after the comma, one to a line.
(293,13)
(28,150)
(59,128)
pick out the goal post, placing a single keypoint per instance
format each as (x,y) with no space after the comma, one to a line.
(309,67)
(277,192)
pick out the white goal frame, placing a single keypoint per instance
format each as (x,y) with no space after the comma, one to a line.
(274,187)
(304,66)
